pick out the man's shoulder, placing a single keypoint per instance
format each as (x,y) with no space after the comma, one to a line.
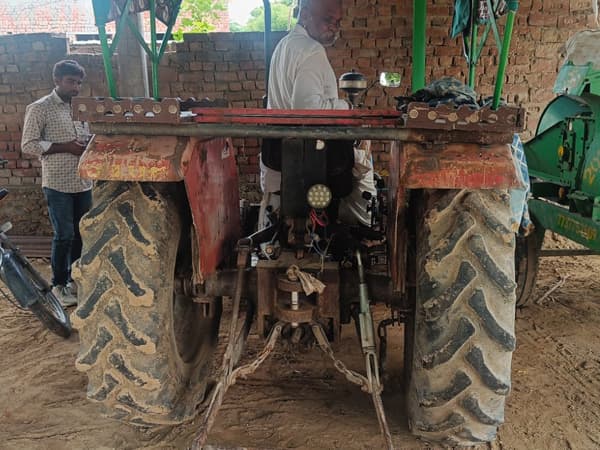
(41,102)
(302,43)
(308,44)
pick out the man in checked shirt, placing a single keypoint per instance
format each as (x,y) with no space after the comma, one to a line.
(50,132)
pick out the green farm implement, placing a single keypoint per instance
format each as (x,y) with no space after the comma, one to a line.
(564,163)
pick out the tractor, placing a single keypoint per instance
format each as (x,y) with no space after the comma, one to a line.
(563,162)
(169,255)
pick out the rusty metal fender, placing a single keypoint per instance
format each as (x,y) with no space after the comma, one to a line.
(206,166)
(439,166)
(457,166)
(212,186)
(135,158)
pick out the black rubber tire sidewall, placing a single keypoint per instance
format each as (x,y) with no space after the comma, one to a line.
(527,254)
(464,317)
(126,316)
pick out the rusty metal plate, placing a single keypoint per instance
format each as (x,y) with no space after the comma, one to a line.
(285,285)
(211,182)
(458,166)
(447,166)
(134,158)
(130,110)
(464,117)
(304,314)
(397,232)
(257,116)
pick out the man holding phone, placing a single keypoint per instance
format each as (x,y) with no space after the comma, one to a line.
(50,133)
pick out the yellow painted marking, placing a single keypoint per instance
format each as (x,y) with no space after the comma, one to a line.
(590,172)
(117,168)
(569,224)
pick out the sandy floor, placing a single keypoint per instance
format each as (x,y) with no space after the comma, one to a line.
(298,400)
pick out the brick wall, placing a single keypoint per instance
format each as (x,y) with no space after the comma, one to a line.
(376,35)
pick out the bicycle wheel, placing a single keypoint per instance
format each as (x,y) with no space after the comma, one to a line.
(27,282)
(50,312)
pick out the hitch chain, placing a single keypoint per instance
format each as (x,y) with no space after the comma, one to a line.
(370,385)
(369,349)
(233,352)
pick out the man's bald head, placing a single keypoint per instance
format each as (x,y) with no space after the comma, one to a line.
(321,19)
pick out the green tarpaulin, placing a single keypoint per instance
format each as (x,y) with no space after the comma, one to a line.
(461,18)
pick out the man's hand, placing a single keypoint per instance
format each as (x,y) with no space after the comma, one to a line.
(74,147)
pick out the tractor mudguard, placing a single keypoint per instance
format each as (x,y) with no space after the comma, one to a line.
(135,158)
(439,166)
(457,166)
(212,186)
(206,166)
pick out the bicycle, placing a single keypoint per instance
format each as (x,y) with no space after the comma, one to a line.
(28,287)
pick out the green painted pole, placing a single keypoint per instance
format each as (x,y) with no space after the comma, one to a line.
(473,47)
(167,35)
(486,32)
(119,27)
(419,44)
(154,55)
(513,6)
(106,57)
(473,57)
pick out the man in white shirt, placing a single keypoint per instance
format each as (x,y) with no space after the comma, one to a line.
(301,77)
(50,133)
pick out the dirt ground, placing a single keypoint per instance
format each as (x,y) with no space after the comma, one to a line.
(298,400)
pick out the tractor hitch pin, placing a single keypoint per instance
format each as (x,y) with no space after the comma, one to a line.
(295,306)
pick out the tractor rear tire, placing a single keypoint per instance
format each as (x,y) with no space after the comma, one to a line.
(464,317)
(527,260)
(146,350)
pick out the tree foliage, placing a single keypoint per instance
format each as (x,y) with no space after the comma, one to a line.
(198,16)
(281,14)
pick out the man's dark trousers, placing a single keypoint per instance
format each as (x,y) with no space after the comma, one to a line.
(65,211)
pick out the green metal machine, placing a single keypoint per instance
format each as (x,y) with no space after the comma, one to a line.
(564,163)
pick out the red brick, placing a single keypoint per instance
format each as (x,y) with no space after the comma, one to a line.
(24,172)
